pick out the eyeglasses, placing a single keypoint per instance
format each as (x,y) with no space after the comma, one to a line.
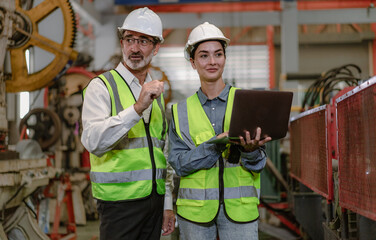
(142,41)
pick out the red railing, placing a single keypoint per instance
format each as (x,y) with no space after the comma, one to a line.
(356,114)
(310,159)
(343,132)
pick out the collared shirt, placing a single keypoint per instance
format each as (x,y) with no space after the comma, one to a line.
(186,161)
(101,131)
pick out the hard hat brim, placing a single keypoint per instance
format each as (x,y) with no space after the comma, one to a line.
(120,29)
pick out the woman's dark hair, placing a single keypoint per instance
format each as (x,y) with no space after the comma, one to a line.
(223,43)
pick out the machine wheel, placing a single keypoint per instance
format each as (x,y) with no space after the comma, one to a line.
(42,125)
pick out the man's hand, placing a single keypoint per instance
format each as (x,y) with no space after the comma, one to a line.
(249,144)
(168,225)
(149,92)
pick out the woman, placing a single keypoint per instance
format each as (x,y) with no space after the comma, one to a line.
(220,184)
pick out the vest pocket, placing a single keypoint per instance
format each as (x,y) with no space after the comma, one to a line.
(192,190)
(203,137)
(248,192)
(189,202)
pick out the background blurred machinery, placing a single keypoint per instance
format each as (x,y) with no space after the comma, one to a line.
(36,49)
(23,27)
(25,32)
(333,158)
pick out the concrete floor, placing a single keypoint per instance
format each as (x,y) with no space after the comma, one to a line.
(91,232)
(266,232)
(88,232)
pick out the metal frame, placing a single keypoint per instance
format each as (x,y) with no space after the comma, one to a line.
(328,128)
(344,205)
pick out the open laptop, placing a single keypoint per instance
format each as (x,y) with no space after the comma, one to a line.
(269,110)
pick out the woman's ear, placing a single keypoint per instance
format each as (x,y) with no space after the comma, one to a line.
(193,63)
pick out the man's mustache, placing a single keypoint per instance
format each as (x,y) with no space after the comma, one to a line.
(136,55)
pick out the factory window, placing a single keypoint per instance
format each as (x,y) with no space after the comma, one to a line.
(24,103)
(24,96)
(247,66)
(27,57)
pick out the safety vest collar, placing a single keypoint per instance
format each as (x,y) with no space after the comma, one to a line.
(182,115)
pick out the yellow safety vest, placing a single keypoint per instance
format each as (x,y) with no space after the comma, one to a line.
(130,170)
(199,193)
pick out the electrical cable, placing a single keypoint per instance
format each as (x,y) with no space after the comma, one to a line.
(30,208)
(319,92)
(10,199)
(15,194)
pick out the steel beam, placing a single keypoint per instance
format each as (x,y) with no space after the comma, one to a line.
(333,16)
(261,18)
(289,38)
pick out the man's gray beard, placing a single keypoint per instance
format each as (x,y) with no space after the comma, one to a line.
(137,65)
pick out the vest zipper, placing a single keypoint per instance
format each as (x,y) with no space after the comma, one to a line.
(221,184)
(150,145)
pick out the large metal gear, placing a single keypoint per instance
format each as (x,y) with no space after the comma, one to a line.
(26,34)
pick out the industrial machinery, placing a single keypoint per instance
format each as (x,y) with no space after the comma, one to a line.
(23,25)
(24,31)
(333,157)
(36,49)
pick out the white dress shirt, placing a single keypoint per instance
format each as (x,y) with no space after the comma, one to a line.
(101,131)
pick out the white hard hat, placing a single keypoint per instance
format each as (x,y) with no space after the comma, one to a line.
(143,20)
(203,32)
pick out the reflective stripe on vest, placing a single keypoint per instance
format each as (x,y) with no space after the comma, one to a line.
(126,172)
(198,198)
(123,177)
(213,193)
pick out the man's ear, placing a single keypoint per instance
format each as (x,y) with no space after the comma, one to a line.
(156,48)
(193,63)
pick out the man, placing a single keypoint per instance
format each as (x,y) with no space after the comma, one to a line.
(124,129)
(219,184)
